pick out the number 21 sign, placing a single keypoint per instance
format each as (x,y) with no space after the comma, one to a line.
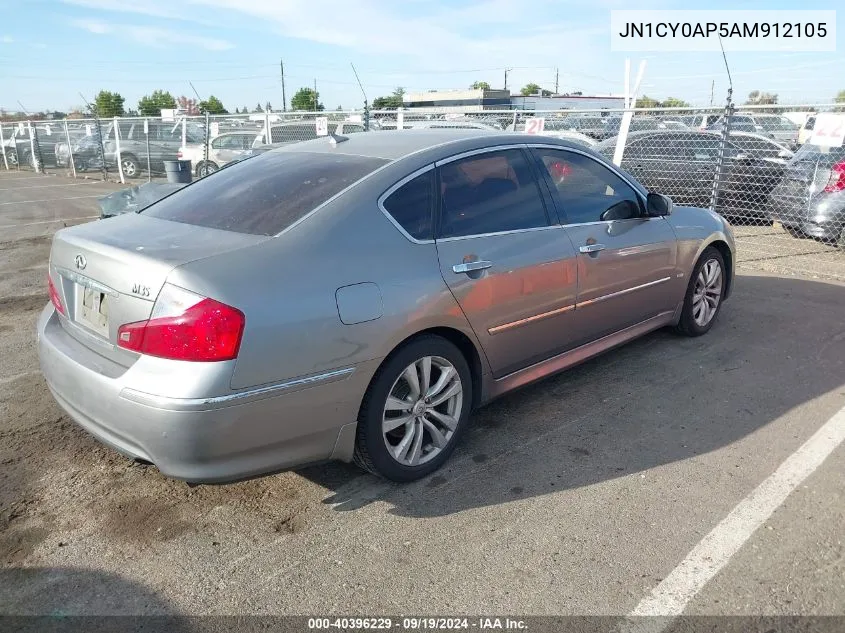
(535,125)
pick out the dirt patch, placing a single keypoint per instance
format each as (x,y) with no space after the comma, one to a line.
(17,544)
(22,303)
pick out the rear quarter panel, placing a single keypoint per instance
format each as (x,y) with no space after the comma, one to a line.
(287,289)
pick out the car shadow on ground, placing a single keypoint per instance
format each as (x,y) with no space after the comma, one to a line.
(778,344)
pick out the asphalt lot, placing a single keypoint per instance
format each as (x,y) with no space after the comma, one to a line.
(577,495)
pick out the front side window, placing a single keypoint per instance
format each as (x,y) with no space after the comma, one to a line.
(587,189)
(489,193)
(410,206)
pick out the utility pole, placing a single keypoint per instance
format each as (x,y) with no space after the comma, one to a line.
(712,88)
(556,78)
(284,99)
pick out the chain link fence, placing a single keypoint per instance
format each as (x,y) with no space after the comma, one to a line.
(755,166)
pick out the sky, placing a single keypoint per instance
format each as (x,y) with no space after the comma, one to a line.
(53,51)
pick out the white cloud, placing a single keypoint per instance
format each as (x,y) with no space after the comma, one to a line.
(7,39)
(153,36)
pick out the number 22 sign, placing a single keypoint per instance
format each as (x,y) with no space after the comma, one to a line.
(829,130)
(535,125)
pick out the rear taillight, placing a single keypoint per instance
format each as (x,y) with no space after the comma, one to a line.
(186,326)
(837,178)
(54,296)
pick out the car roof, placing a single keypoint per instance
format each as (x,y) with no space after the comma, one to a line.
(396,144)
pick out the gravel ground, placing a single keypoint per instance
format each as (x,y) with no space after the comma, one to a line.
(576,495)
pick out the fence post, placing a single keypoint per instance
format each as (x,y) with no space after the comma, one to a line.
(69,150)
(100,147)
(400,118)
(31,148)
(147,136)
(184,130)
(3,147)
(207,139)
(720,163)
(268,138)
(117,150)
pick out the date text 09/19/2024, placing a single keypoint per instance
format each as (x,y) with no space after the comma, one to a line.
(416,624)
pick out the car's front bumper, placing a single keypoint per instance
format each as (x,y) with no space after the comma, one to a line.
(215,439)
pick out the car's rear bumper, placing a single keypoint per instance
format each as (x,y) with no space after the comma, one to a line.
(215,439)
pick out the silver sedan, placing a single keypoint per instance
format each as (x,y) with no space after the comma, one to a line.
(356,298)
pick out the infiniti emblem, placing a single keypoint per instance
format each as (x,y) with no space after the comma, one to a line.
(81,262)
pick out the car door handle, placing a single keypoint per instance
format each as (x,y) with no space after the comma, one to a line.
(468,267)
(592,248)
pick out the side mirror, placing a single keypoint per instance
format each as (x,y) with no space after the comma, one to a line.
(658,205)
(623,210)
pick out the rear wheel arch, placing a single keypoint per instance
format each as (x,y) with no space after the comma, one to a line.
(464,343)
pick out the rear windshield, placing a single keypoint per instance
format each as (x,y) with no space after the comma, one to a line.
(266,194)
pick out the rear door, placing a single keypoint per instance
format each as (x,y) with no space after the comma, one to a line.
(508,263)
(626,265)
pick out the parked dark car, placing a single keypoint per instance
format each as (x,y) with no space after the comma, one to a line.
(683,164)
(810,200)
(773,126)
(609,126)
(46,136)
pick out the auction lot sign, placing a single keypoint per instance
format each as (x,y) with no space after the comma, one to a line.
(829,130)
(763,30)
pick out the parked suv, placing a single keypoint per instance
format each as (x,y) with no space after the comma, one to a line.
(162,140)
(810,200)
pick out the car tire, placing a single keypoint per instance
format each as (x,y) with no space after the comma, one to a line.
(12,157)
(130,166)
(706,286)
(205,168)
(432,426)
(794,232)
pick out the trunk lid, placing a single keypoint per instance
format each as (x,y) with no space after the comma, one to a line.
(109,272)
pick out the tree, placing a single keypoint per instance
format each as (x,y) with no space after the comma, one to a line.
(237,110)
(108,104)
(840,98)
(339,108)
(755,97)
(673,102)
(532,89)
(646,102)
(152,105)
(306,99)
(258,108)
(244,110)
(213,105)
(479,85)
(268,107)
(391,102)
(188,106)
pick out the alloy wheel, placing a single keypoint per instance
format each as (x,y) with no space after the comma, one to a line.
(422,410)
(707,293)
(129,168)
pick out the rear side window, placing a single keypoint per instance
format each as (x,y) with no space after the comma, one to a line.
(266,194)
(489,193)
(410,206)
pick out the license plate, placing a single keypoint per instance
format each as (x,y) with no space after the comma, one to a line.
(93,310)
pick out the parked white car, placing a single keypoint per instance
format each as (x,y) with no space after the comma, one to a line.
(222,149)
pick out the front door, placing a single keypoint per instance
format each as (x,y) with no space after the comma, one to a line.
(626,260)
(508,263)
